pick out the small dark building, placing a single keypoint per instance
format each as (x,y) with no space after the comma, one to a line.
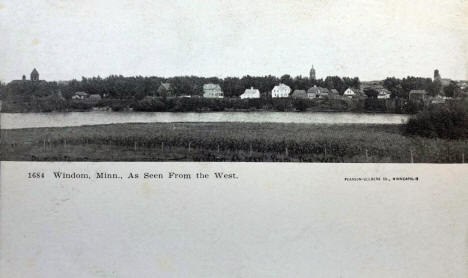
(334,94)
(165,89)
(299,94)
(418,95)
(34,75)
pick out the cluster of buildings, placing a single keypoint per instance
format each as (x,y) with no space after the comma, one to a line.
(281,90)
(284,91)
(86,96)
(423,97)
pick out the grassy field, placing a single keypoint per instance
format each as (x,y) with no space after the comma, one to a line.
(228,142)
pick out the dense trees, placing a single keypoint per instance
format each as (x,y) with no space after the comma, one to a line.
(402,87)
(340,84)
(451,89)
(137,87)
(371,93)
(449,122)
(119,92)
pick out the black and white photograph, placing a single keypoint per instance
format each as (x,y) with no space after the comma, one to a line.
(289,81)
(233,138)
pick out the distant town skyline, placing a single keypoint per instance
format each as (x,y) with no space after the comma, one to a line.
(34,76)
(368,39)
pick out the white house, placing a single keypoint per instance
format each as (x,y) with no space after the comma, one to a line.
(250,93)
(280,91)
(212,91)
(383,94)
(438,100)
(80,95)
(350,93)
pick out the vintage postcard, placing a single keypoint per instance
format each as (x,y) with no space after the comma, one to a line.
(289,81)
(218,138)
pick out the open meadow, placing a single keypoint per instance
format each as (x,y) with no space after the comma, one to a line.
(268,142)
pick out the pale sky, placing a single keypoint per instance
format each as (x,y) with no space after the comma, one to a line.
(66,39)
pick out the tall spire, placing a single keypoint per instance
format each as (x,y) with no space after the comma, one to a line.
(312,73)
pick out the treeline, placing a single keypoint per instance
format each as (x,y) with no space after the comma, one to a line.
(122,93)
(270,104)
(137,87)
(200,104)
(120,87)
(226,104)
(401,87)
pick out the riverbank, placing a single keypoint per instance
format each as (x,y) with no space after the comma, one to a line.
(228,142)
(17,104)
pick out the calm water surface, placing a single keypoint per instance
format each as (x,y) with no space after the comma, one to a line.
(29,120)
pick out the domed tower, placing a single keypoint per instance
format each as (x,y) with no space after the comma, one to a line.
(312,73)
(34,75)
(437,75)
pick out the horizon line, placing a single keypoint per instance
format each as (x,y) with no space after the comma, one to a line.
(224,77)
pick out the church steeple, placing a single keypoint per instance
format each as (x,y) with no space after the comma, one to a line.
(312,73)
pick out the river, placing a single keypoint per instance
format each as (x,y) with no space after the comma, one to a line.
(32,120)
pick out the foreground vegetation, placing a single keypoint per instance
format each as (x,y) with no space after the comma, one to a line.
(229,142)
(447,122)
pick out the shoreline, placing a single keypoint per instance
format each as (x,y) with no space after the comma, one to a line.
(208,123)
(208,112)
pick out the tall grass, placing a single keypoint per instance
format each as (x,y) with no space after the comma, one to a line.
(205,141)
